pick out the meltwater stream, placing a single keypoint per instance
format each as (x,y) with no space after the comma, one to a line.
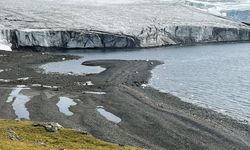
(212,76)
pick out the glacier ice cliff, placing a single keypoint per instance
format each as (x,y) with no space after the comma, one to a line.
(148,37)
(80,24)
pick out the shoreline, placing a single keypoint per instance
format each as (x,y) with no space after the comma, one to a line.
(149,118)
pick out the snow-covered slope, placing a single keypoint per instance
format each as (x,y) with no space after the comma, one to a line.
(105,23)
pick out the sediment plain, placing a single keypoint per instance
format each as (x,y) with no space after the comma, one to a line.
(149,119)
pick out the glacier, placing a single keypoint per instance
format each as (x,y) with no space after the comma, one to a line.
(45,24)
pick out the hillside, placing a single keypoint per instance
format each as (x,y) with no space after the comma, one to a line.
(21,135)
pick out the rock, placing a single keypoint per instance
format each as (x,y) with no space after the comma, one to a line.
(49,126)
(14,138)
(82,132)
(11,131)
(40,143)
(136,83)
(144,85)
(122,145)
(12,135)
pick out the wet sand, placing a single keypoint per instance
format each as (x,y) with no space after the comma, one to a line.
(149,118)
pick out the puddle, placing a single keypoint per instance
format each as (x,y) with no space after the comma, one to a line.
(65,67)
(109,116)
(18,101)
(64,104)
(97,93)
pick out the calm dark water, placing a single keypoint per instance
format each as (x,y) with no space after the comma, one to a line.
(211,76)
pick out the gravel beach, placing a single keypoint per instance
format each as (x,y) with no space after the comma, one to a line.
(148,118)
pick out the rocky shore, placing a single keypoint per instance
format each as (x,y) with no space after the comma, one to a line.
(146,117)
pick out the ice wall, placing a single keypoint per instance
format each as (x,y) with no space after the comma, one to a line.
(5,43)
(147,37)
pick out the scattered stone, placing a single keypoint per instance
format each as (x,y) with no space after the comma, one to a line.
(49,126)
(144,86)
(136,83)
(40,143)
(82,132)
(88,83)
(12,135)
(11,131)
(160,105)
